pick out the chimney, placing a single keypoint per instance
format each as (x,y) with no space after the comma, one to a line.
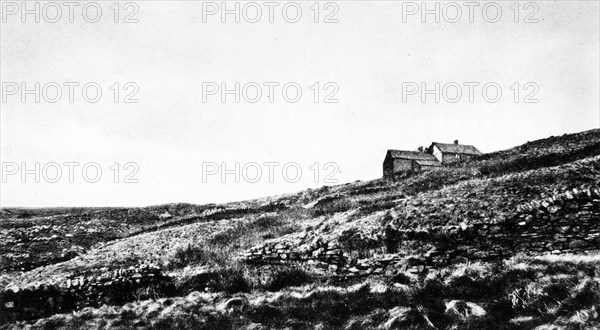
(420,149)
(455,141)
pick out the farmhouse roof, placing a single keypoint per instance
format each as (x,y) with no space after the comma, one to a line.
(413,155)
(454,148)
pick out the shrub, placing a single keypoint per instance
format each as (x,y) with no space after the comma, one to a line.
(285,277)
(197,255)
(230,280)
(129,291)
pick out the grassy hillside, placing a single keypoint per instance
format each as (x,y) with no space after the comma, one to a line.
(506,240)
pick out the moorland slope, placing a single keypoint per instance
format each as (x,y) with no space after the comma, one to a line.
(506,240)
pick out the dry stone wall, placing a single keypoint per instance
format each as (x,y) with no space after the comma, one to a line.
(46,298)
(562,223)
(319,251)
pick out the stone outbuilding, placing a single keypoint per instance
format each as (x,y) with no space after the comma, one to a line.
(447,153)
(401,161)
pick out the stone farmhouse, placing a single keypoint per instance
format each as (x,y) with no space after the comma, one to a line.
(437,155)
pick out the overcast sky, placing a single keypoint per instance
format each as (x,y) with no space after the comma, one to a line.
(376,50)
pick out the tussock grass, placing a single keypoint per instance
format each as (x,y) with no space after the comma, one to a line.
(493,295)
